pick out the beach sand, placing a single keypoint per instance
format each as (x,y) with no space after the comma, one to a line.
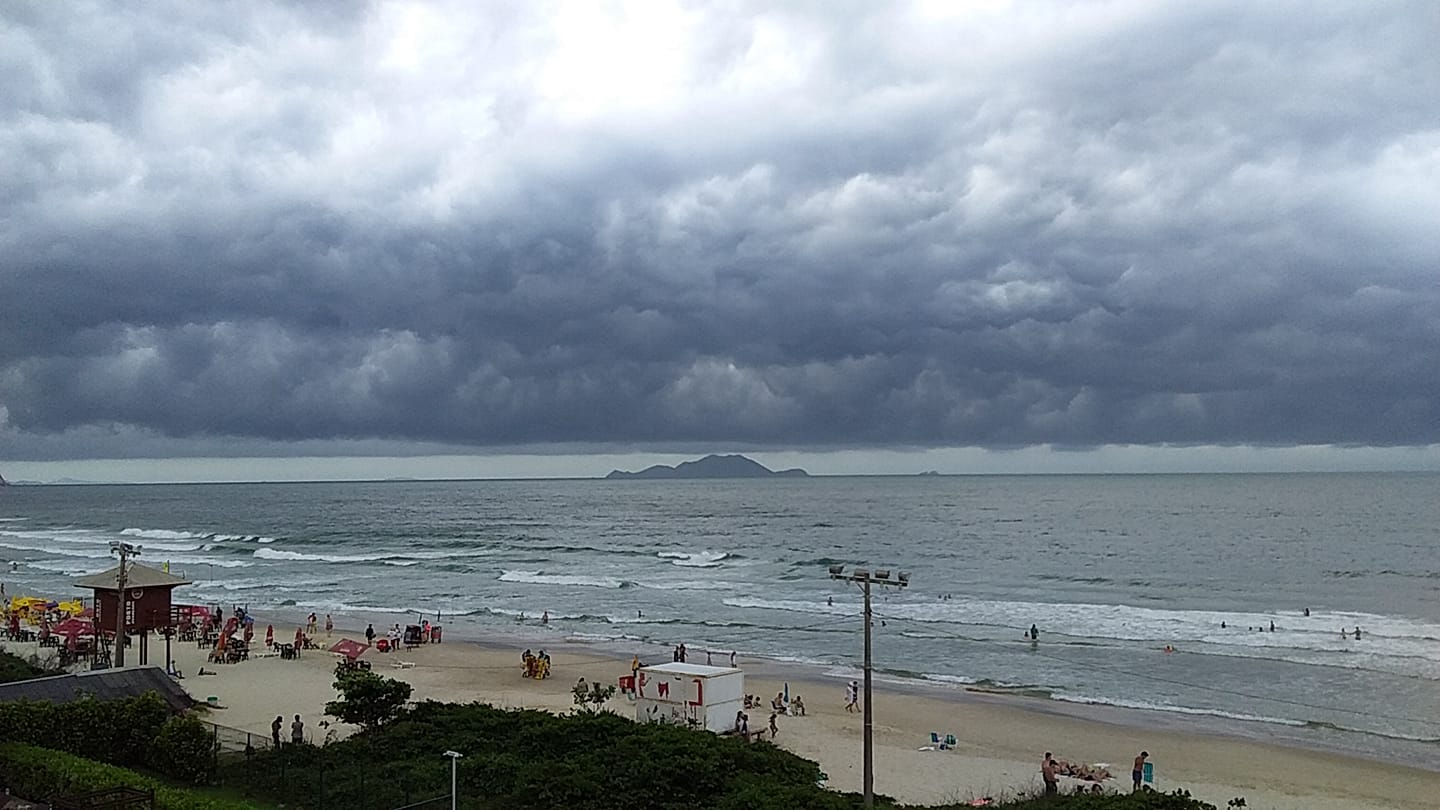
(1001,739)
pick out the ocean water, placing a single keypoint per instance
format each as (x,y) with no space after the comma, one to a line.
(1110,568)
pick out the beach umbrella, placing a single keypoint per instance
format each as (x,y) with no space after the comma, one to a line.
(249,632)
(299,637)
(269,635)
(74,627)
(349,649)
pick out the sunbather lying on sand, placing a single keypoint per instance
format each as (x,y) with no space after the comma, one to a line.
(1079,770)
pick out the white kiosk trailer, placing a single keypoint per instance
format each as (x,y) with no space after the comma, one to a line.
(692,695)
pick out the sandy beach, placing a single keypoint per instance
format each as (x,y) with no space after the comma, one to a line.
(1000,740)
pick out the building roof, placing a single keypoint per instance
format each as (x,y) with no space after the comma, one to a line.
(698,670)
(136,576)
(104,684)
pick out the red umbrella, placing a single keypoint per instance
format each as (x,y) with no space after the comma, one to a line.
(75,627)
(269,635)
(349,649)
(299,638)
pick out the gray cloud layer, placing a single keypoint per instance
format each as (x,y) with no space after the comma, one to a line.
(1075,223)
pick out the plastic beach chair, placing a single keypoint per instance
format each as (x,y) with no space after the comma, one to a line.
(950,741)
(1148,773)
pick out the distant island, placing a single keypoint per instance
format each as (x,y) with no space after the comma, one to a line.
(712,466)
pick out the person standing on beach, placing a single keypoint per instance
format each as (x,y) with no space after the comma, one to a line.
(1138,772)
(370,633)
(275,729)
(1047,773)
(329,625)
(297,731)
(852,696)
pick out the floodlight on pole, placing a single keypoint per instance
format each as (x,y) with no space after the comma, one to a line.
(454,761)
(126,551)
(864,578)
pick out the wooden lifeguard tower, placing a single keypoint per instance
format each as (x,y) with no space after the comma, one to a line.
(147,601)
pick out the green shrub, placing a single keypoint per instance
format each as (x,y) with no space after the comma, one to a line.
(184,749)
(368,699)
(140,732)
(14,668)
(44,774)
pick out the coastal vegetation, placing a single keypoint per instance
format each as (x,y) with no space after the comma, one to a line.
(43,774)
(14,668)
(587,760)
(590,760)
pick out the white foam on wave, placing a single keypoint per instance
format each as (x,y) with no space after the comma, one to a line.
(1171,708)
(76,568)
(97,553)
(793,605)
(405,557)
(82,536)
(694,559)
(538,578)
(217,562)
(241,538)
(256,584)
(162,534)
(691,585)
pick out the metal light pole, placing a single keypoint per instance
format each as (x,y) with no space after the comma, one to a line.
(126,551)
(454,760)
(862,577)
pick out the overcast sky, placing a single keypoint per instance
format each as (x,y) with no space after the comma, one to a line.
(836,231)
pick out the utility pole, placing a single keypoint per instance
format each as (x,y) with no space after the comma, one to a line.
(864,578)
(126,551)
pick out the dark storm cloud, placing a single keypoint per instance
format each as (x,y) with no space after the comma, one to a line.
(1041,223)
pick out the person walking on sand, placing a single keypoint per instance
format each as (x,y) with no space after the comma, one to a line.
(1047,773)
(774,729)
(852,696)
(275,729)
(1138,772)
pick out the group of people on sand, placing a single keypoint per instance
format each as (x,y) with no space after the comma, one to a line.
(793,706)
(742,727)
(297,730)
(537,666)
(1051,769)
